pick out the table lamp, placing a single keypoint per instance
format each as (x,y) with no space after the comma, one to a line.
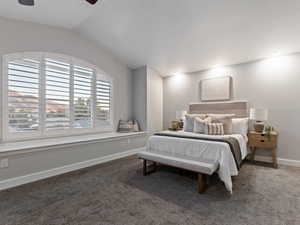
(180,116)
(259,115)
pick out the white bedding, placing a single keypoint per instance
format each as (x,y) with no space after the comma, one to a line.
(201,150)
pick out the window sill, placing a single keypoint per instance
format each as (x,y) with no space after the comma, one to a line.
(50,143)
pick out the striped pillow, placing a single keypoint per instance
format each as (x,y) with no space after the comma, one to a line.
(226,119)
(214,129)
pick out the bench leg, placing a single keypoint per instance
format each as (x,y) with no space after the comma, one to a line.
(145,167)
(154,167)
(201,183)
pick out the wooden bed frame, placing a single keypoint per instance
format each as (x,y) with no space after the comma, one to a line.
(239,108)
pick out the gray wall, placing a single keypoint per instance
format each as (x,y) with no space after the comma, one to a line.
(271,83)
(139,96)
(154,101)
(147,98)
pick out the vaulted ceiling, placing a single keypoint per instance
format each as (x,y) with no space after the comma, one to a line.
(175,35)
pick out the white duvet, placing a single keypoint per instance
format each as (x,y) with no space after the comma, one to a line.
(202,151)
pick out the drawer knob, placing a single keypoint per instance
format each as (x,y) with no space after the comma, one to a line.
(262,140)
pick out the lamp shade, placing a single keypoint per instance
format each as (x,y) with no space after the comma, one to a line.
(180,114)
(258,114)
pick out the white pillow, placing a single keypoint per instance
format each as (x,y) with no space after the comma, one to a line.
(199,124)
(188,123)
(240,126)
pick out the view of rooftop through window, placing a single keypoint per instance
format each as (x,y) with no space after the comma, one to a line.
(23,93)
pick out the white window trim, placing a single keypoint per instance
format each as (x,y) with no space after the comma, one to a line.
(108,126)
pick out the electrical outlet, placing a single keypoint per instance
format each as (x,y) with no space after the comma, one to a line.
(3,163)
(128,141)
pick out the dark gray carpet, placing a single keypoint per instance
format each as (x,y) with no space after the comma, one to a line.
(116,193)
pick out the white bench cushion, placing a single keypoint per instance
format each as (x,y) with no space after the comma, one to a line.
(200,167)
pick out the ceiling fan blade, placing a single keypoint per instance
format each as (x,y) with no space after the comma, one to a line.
(92,1)
(27,2)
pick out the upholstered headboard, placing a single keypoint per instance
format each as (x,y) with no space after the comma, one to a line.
(239,108)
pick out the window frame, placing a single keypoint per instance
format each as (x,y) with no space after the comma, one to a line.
(103,126)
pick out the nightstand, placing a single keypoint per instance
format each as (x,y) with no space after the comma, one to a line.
(261,140)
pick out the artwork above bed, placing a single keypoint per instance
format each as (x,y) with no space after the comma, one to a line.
(215,89)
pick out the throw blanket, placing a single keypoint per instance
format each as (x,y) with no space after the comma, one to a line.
(232,142)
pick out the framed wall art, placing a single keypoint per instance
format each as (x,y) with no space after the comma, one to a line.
(216,89)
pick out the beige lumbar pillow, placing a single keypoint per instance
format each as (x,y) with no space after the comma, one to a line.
(199,124)
(225,119)
(214,128)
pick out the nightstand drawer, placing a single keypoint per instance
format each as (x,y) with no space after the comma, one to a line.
(261,141)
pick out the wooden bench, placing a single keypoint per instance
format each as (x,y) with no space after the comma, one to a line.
(202,168)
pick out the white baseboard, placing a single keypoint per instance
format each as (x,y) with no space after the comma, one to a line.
(281,161)
(13,182)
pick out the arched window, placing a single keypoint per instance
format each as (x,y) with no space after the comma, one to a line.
(47,94)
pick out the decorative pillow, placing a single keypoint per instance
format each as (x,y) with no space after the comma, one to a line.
(199,124)
(225,119)
(214,128)
(240,126)
(189,121)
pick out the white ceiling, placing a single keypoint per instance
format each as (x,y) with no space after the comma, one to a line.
(176,35)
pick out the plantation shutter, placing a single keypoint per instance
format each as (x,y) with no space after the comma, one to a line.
(48,95)
(103,99)
(57,98)
(23,82)
(83,85)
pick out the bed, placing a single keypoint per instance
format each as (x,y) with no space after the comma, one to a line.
(201,153)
